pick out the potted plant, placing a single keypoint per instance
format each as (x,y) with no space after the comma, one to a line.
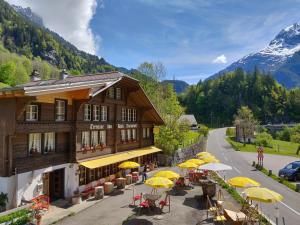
(3,201)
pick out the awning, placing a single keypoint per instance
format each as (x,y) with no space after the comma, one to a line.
(119,157)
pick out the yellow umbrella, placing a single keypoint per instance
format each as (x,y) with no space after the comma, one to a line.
(159,182)
(243,182)
(204,154)
(196,161)
(187,165)
(210,159)
(129,165)
(167,174)
(263,195)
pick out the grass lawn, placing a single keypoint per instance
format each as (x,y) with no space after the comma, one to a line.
(190,137)
(279,147)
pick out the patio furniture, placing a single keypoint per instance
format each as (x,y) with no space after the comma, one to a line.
(135,176)
(128,179)
(151,199)
(165,202)
(121,182)
(99,192)
(144,205)
(88,191)
(108,188)
(137,198)
(209,188)
(236,218)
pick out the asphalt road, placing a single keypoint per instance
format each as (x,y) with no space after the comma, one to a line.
(289,208)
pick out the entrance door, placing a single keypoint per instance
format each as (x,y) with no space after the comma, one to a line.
(56,185)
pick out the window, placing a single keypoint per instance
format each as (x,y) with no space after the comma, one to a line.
(124,114)
(128,134)
(94,138)
(96,112)
(111,93)
(103,113)
(123,135)
(34,143)
(103,137)
(87,112)
(144,132)
(148,132)
(129,115)
(134,134)
(60,110)
(134,115)
(49,142)
(118,93)
(85,139)
(32,112)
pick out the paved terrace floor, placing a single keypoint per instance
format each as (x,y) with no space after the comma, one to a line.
(187,208)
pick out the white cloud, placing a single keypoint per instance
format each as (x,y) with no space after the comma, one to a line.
(221,59)
(69,18)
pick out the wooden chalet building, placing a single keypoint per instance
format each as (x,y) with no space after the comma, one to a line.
(58,136)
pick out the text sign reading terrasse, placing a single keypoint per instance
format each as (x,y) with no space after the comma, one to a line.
(100,126)
(122,126)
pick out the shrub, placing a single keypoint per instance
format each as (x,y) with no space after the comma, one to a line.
(203,130)
(285,134)
(264,139)
(230,131)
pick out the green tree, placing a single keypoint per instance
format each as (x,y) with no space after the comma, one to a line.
(245,122)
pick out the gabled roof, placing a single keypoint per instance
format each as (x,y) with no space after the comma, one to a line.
(189,118)
(95,83)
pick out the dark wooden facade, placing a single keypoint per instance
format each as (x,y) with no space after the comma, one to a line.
(15,130)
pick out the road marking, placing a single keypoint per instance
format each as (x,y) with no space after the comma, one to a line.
(293,210)
(237,170)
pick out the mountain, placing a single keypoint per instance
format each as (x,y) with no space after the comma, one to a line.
(28,14)
(179,85)
(21,32)
(281,58)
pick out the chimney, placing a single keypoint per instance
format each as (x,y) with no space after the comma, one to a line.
(35,76)
(63,74)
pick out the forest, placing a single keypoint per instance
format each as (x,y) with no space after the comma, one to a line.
(215,102)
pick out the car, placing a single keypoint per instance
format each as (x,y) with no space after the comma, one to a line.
(291,171)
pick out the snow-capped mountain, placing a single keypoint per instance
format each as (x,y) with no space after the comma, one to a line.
(279,54)
(28,14)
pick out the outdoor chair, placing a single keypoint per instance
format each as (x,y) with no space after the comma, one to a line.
(137,198)
(165,202)
(211,209)
(144,205)
(236,218)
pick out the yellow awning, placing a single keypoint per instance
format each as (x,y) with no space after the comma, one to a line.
(118,157)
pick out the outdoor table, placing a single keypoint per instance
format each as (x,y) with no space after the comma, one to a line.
(121,181)
(135,176)
(99,192)
(128,179)
(108,187)
(152,198)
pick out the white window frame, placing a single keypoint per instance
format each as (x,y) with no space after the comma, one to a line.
(87,112)
(118,93)
(129,115)
(94,138)
(104,112)
(96,113)
(60,114)
(129,136)
(35,143)
(123,135)
(111,93)
(124,114)
(49,142)
(85,139)
(133,134)
(148,132)
(32,112)
(134,115)
(102,136)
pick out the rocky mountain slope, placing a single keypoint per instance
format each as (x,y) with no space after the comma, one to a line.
(281,58)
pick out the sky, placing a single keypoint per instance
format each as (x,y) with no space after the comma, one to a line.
(192,38)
